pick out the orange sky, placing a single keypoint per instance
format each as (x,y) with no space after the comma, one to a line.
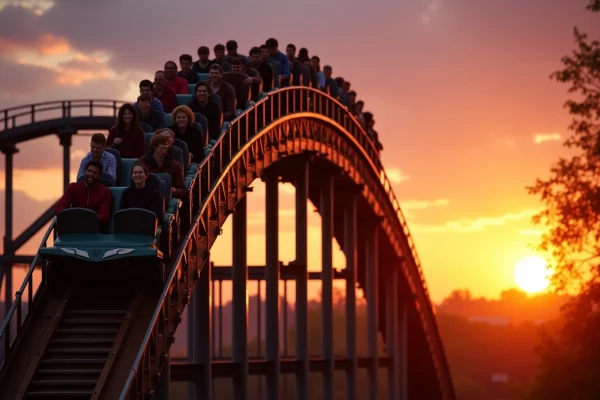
(459,89)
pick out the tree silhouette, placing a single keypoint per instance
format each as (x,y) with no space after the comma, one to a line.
(572,193)
(570,349)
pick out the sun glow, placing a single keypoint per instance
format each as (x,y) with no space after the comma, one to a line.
(531,274)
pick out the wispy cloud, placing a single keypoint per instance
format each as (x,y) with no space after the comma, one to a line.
(530,232)
(395,175)
(539,138)
(474,225)
(423,204)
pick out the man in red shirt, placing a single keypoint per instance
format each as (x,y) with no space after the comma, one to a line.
(89,194)
(166,95)
(177,83)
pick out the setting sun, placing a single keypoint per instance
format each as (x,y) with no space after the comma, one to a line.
(531,274)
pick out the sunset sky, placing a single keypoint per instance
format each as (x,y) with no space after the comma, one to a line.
(460,90)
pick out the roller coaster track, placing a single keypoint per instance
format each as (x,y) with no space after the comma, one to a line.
(287,122)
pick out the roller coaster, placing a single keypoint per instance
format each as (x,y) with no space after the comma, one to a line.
(101,322)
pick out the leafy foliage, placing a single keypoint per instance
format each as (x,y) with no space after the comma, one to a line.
(572,193)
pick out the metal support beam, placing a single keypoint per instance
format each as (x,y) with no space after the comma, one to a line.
(164,384)
(327,290)
(351,252)
(195,328)
(372,264)
(302,281)
(272,282)
(239,313)
(65,135)
(9,152)
(396,336)
(401,347)
(205,327)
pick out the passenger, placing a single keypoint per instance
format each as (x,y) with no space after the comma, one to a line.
(276,55)
(346,87)
(157,162)
(147,87)
(97,153)
(166,95)
(89,194)
(370,121)
(265,70)
(147,114)
(358,108)
(191,76)
(224,90)
(201,104)
(331,88)
(232,51)
(316,64)
(127,136)
(184,130)
(236,66)
(255,78)
(295,65)
(140,195)
(352,102)
(240,88)
(202,66)
(219,50)
(340,90)
(174,152)
(177,83)
(275,65)
(305,59)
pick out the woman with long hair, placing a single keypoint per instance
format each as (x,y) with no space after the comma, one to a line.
(127,136)
(157,161)
(183,118)
(141,195)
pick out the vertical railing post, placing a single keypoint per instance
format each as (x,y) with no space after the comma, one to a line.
(351,252)
(204,334)
(272,282)
(65,135)
(302,281)
(240,295)
(327,282)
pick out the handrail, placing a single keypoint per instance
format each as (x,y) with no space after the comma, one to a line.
(350,123)
(31,296)
(65,106)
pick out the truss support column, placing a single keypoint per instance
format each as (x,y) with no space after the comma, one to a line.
(195,327)
(396,308)
(204,324)
(272,282)
(302,282)
(164,384)
(9,151)
(351,252)
(240,301)
(372,264)
(327,290)
(65,136)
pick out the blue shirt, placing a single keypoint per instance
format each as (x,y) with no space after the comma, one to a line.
(109,163)
(156,104)
(285,64)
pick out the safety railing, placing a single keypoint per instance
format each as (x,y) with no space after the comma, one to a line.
(14,117)
(237,136)
(14,317)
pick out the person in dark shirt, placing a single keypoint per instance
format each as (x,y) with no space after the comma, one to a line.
(201,104)
(157,162)
(305,59)
(174,152)
(295,65)
(89,194)
(147,114)
(254,76)
(264,69)
(185,62)
(224,90)
(184,130)
(232,50)
(166,95)
(202,66)
(219,51)
(127,136)
(331,86)
(141,195)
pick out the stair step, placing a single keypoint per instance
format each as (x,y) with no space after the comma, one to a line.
(98,331)
(92,321)
(78,351)
(69,371)
(82,341)
(46,393)
(74,361)
(64,382)
(108,312)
